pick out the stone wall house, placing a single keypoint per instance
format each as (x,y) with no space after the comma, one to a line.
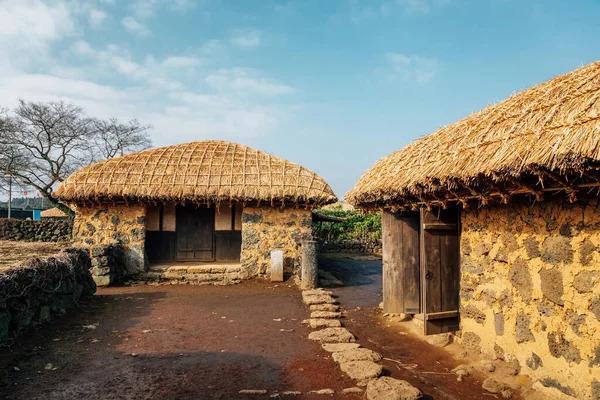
(216,207)
(491,229)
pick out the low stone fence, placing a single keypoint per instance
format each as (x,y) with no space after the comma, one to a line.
(107,264)
(36,231)
(31,293)
(350,246)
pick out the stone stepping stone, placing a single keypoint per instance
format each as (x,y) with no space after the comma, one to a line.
(253,391)
(311,292)
(352,390)
(318,299)
(386,388)
(333,347)
(362,371)
(324,307)
(317,323)
(360,354)
(326,314)
(329,392)
(332,335)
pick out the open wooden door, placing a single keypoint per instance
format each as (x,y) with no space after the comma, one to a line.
(440,274)
(401,262)
(195,233)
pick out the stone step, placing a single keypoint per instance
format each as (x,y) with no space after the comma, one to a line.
(196,274)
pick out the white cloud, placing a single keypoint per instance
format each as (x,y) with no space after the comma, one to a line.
(184,96)
(360,10)
(412,67)
(33,23)
(246,80)
(246,39)
(130,24)
(148,8)
(83,48)
(96,18)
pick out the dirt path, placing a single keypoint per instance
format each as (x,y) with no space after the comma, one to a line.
(423,365)
(174,342)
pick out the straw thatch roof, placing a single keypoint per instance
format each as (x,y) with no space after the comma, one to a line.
(53,213)
(546,138)
(209,171)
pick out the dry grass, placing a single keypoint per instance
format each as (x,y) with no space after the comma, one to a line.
(14,253)
(554,126)
(210,171)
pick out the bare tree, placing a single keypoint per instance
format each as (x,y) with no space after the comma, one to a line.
(43,143)
(115,138)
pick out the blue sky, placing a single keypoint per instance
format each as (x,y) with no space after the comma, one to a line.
(333,85)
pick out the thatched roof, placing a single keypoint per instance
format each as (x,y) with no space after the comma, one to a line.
(209,171)
(52,213)
(537,140)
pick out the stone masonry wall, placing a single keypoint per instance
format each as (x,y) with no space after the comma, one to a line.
(36,231)
(42,287)
(265,229)
(349,246)
(114,225)
(530,290)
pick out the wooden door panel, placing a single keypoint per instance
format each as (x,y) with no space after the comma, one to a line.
(440,275)
(195,234)
(392,263)
(411,263)
(401,292)
(431,273)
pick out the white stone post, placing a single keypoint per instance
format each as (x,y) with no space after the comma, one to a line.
(276,265)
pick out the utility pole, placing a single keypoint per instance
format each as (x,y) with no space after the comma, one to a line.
(9,194)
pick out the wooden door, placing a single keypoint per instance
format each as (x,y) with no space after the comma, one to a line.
(401,262)
(440,274)
(195,233)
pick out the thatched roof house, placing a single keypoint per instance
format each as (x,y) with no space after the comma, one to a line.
(206,172)
(53,213)
(523,145)
(203,201)
(491,228)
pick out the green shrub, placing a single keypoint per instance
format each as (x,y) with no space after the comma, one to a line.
(357,226)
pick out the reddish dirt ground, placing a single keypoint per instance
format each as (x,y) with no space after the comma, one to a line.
(425,366)
(173,342)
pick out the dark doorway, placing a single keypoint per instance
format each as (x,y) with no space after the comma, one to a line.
(195,233)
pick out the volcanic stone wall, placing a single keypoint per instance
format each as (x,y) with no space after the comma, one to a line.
(32,293)
(36,231)
(118,225)
(530,290)
(265,229)
(349,246)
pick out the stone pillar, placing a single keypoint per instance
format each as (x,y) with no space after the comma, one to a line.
(310,265)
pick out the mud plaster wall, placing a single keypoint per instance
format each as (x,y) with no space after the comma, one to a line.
(530,290)
(121,224)
(265,229)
